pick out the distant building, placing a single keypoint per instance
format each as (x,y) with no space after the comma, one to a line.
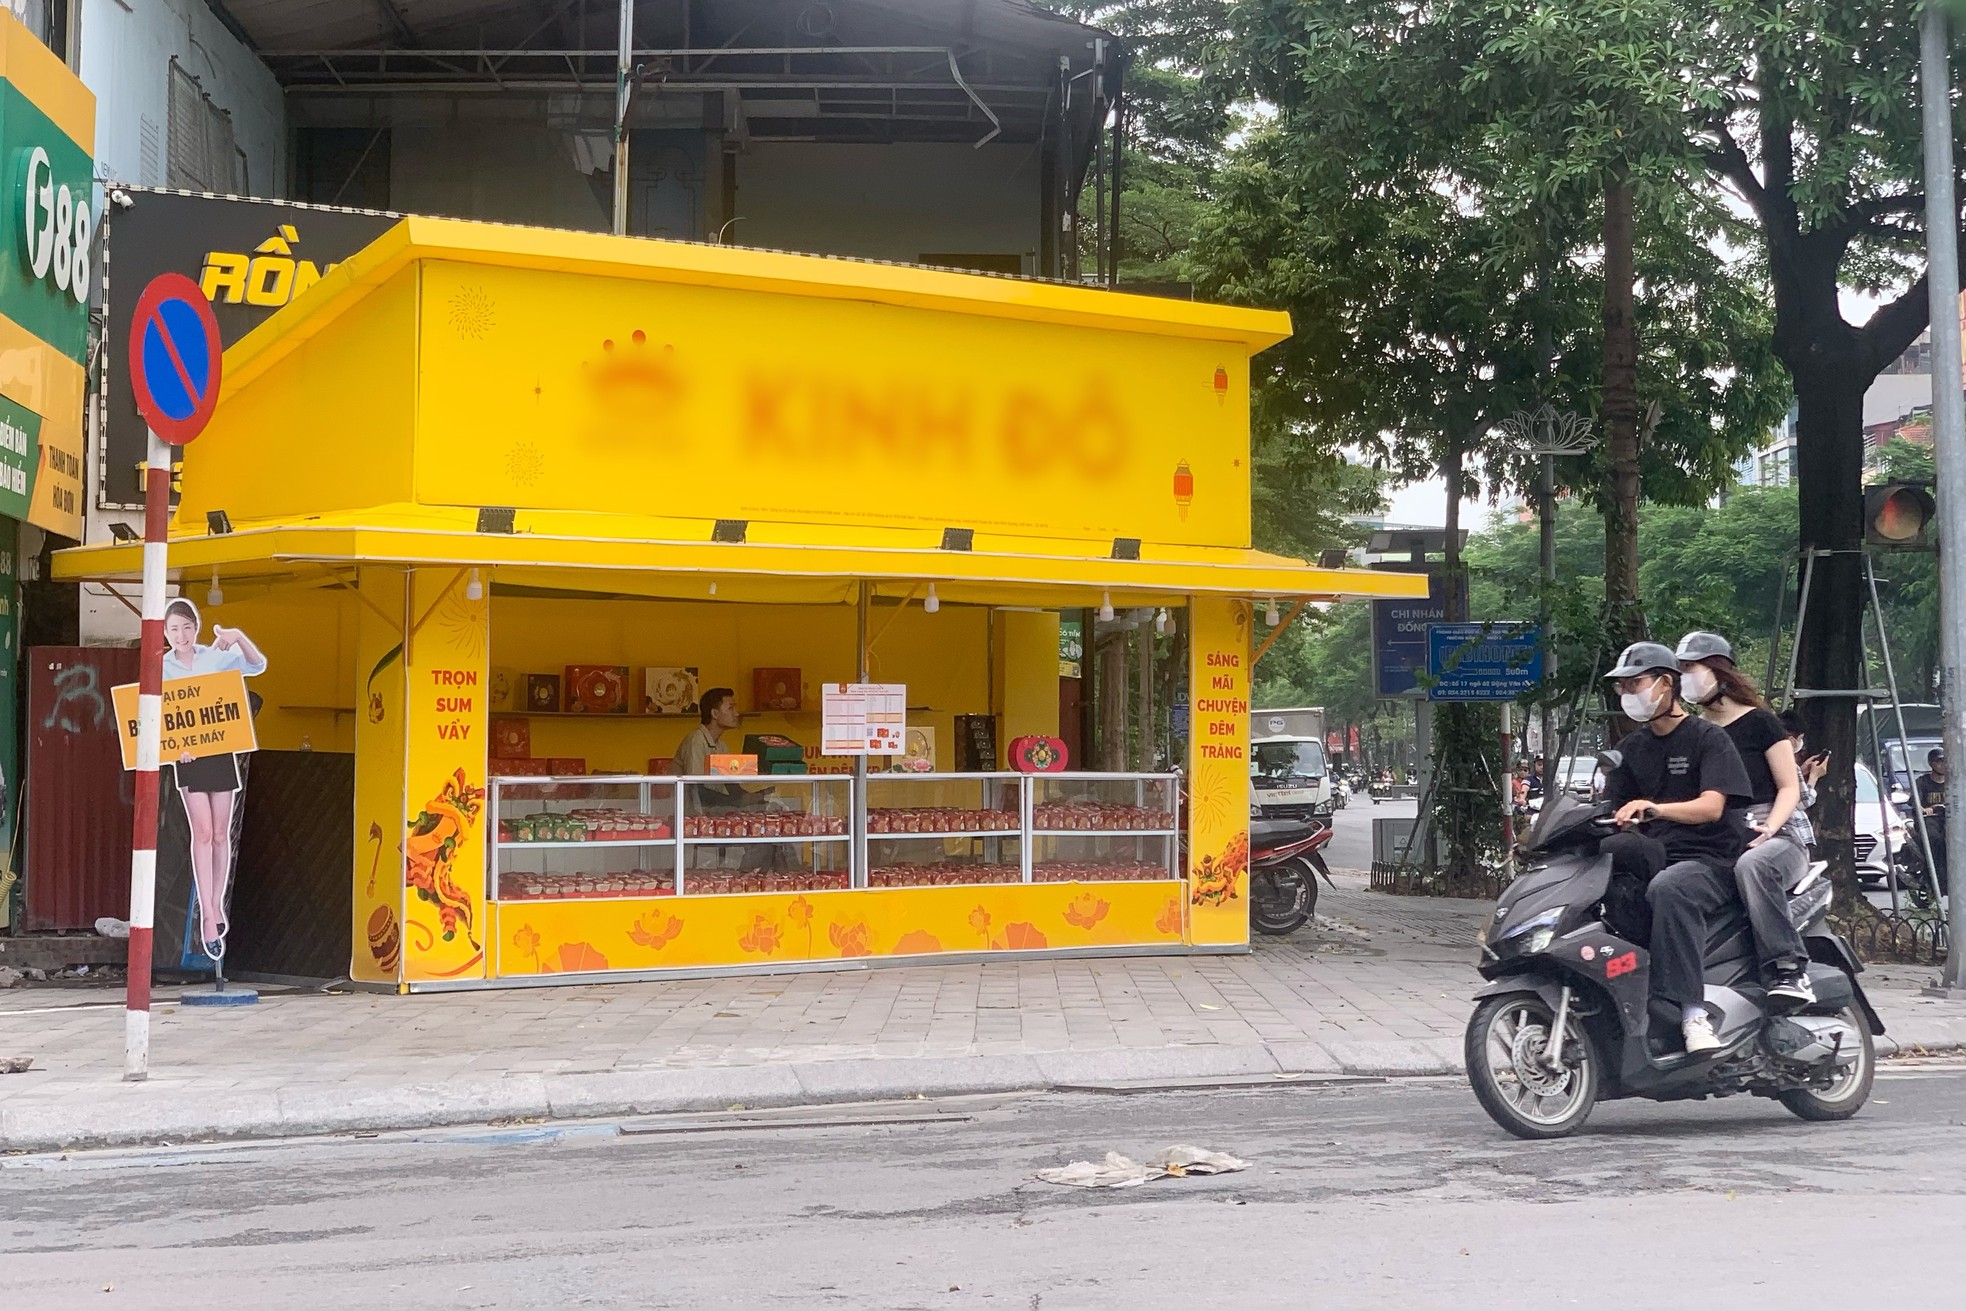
(1898,405)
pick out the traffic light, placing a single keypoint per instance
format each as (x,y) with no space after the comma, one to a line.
(1898,516)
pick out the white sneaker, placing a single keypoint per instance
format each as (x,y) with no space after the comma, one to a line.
(1699,1034)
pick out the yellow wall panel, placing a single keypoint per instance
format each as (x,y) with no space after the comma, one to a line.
(550,390)
(328,427)
(761,929)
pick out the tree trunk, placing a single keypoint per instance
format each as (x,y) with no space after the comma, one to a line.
(1830,448)
(1624,620)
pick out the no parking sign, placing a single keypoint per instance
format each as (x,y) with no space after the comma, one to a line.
(175,358)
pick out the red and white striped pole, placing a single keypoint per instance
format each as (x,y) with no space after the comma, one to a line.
(150,726)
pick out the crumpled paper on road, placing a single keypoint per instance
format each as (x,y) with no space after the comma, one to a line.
(1118,1171)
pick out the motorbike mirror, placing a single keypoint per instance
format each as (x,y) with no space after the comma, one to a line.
(1899,796)
(1610,760)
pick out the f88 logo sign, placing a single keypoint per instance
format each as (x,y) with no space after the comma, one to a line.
(55,227)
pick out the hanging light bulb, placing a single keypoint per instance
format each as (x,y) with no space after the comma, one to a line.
(215,596)
(474,590)
(1270,616)
(713,589)
(932,602)
(1105,607)
(1163,622)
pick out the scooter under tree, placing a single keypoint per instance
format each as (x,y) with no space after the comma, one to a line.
(1556,967)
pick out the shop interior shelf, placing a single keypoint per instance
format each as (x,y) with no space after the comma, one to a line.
(606,842)
(1103,832)
(977,833)
(745,842)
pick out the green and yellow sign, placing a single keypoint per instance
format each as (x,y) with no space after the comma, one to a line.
(47,269)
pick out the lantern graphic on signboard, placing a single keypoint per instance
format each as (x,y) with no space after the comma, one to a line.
(1221,384)
(1184,488)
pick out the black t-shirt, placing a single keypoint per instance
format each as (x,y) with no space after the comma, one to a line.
(1931,792)
(1753,733)
(1694,758)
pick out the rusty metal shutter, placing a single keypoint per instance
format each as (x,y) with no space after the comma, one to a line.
(78,797)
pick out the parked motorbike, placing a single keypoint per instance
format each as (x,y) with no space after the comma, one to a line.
(1285,859)
(1555,967)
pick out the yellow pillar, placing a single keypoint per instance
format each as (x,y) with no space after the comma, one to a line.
(377,932)
(1218,772)
(446,696)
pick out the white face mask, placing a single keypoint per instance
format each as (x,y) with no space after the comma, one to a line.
(1699,685)
(1642,707)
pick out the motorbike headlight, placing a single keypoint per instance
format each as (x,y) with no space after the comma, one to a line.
(1534,934)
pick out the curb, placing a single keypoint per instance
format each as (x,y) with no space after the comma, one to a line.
(168,1110)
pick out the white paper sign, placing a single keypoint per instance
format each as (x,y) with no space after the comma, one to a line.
(864,719)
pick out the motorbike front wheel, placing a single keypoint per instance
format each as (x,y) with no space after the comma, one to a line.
(1506,1042)
(1281,897)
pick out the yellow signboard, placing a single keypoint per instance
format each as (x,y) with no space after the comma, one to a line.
(1218,771)
(550,391)
(204,715)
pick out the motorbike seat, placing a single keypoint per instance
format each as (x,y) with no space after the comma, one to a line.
(1265,834)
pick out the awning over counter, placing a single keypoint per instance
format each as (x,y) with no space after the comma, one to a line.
(668,557)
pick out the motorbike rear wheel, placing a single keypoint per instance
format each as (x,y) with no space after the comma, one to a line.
(1281,897)
(1847,1095)
(1506,1040)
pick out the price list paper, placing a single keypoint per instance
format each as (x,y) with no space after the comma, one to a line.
(864,719)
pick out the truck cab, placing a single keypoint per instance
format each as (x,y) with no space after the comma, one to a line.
(1288,778)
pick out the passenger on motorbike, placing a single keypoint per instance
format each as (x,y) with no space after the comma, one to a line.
(1777,852)
(1677,788)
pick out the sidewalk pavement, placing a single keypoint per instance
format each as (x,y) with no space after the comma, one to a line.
(1379,986)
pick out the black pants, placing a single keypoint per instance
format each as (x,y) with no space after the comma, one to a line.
(1684,895)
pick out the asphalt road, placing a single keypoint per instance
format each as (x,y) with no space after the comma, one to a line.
(1361,1196)
(1351,833)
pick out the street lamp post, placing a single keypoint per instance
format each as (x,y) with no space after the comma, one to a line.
(1948,442)
(1547,432)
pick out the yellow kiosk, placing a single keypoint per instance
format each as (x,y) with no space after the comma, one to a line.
(476,459)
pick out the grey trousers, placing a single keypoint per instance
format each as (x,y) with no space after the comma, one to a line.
(1763,875)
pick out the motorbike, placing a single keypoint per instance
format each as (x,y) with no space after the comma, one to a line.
(1563,1022)
(1337,797)
(1285,859)
(1380,789)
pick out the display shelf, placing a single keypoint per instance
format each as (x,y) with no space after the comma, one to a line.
(1104,833)
(577,845)
(780,840)
(1012,833)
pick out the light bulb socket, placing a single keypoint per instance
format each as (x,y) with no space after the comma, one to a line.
(474,590)
(1105,607)
(931,603)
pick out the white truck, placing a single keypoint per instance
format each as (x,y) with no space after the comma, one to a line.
(1288,775)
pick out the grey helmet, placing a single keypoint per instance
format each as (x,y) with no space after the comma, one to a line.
(1705,646)
(1645,658)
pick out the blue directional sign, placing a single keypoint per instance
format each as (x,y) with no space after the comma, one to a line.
(1483,662)
(1399,638)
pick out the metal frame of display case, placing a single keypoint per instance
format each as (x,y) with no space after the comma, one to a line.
(1026,834)
(678,812)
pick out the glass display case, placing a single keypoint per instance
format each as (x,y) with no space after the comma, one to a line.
(603,837)
(940,830)
(1101,827)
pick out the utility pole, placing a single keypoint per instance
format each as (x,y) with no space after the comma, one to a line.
(624,92)
(1949,446)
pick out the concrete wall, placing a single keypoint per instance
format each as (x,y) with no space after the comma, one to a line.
(470,161)
(895,202)
(126,58)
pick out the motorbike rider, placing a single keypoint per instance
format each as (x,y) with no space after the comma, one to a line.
(1931,792)
(1777,852)
(1677,788)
